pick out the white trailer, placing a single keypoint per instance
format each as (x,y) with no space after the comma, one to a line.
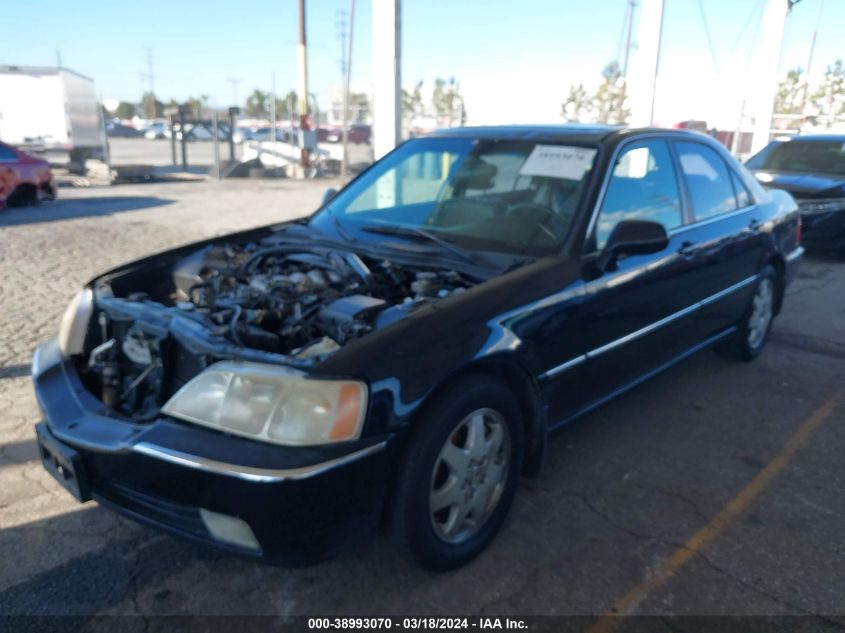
(52,111)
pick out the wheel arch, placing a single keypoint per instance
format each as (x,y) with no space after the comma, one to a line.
(778,262)
(511,371)
(23,193)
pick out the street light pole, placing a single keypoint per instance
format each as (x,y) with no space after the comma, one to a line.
(234,83)
(347,79)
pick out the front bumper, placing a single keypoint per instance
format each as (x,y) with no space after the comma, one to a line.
(824,231)
(793,264)
(301,504)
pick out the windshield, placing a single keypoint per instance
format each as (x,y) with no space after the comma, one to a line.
(509,196)
(814,157)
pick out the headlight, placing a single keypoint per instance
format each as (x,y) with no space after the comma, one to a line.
(74,324)
(272,404)
(826,205)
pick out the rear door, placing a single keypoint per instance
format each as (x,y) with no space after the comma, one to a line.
(729,244)
(642,315)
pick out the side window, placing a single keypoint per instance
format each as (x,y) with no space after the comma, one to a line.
(743,198)
(643,187)
(708,180)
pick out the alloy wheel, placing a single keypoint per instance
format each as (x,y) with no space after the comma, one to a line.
(761,313)
(469,475)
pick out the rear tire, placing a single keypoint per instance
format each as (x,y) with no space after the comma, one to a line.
(753,328)
(459,474)
(23,195)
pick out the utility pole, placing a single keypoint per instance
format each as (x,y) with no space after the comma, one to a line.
(150,105)
(645,64)
(273,111)
(810,58)
(387,84)
(766,62)
(302,54)
(631,6)
(346,82)
(150,69)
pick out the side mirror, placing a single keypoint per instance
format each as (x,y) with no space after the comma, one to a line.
(632,237)
(330,193)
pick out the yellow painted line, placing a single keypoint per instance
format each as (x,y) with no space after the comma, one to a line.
(710,532)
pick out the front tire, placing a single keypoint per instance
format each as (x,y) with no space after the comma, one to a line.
(460,473)
(753,329)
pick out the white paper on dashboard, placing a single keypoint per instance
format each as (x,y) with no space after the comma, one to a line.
(558,161)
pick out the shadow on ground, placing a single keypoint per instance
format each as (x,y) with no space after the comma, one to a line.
(78,208)
(15,371)
(97,579)
(18,452)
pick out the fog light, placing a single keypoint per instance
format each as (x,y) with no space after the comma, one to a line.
(230,529)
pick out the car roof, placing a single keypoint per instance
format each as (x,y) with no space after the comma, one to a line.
(570,132)
(837,138)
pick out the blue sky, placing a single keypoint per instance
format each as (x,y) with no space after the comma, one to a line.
(515,59)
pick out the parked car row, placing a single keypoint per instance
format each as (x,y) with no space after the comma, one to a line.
(263,133)
(115,129)
(194,130)
(357,134)
(157,130)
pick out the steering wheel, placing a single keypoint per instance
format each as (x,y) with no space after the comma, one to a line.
(530,210)
(539,214)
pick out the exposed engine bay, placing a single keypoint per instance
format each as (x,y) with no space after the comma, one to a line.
(300,302)
(281,299)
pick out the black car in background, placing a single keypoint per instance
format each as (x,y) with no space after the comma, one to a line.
(402,354)
(812,169)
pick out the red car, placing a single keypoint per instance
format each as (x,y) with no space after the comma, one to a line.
(358,133)
(24,179)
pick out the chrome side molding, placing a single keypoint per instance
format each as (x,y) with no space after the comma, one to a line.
(578,360)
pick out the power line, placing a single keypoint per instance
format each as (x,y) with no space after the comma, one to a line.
(622,32)
(632,5)
(754,11)
(707,33)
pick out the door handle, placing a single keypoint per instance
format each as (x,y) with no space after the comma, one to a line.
(687,249)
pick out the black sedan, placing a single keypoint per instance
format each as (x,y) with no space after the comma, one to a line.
(402,355)
(812,169)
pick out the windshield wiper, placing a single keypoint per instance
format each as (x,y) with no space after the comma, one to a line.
(413,231)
